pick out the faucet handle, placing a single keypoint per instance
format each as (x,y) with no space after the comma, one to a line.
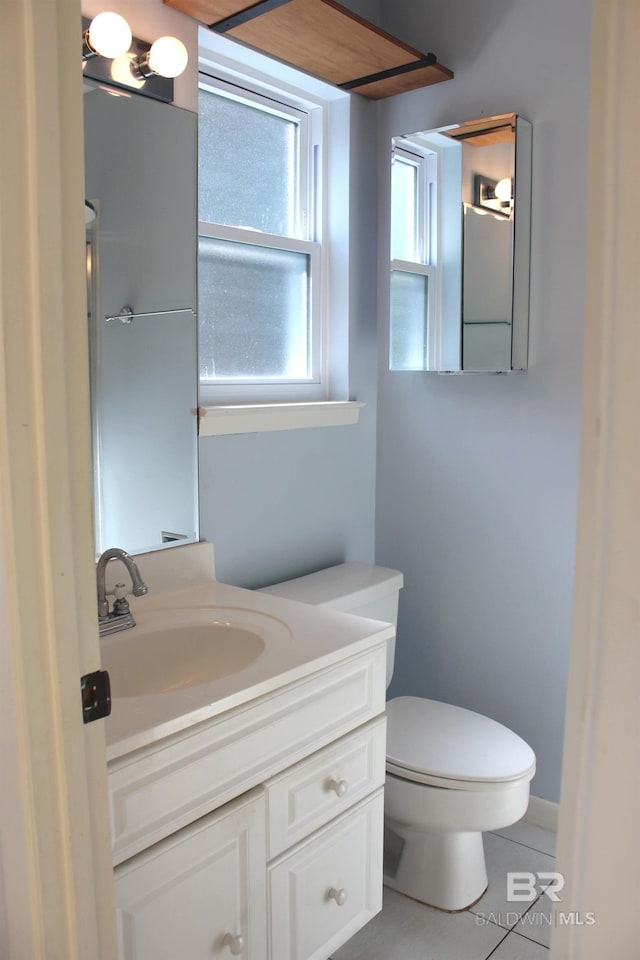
(120,604)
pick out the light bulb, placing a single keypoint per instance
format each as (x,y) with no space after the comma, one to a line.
(503,189)
(168,57)
(122,72)
(109,35)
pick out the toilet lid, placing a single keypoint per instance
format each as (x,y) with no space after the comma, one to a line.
(441,740)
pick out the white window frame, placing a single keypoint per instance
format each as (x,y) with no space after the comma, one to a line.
(308,239)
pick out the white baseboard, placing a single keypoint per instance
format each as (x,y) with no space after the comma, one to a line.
(542,813)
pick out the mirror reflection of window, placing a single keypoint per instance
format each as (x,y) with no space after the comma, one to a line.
(405,183)
(413,268)
(409,321)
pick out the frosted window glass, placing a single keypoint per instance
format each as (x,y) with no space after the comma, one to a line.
(254,312)
(247,167)
(409,321)
(404,210)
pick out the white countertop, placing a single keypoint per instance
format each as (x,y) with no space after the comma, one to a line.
(310,638)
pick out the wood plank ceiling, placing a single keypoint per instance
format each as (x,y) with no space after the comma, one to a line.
(324,39)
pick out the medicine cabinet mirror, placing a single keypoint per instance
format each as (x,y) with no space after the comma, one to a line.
(140,184)
(460,241)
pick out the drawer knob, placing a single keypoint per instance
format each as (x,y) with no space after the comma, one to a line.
(339,787)
(340,896)
(235,944)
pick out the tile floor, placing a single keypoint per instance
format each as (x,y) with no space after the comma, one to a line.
(493,927)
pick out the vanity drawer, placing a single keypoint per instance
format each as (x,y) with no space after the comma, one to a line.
(324,785)
(329,886)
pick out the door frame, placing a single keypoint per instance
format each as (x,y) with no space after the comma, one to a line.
(598,847)
(56,883)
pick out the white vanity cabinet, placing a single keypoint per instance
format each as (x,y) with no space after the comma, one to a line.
(200,893)
(257,834)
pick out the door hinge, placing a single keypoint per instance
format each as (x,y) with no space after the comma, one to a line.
(96,695)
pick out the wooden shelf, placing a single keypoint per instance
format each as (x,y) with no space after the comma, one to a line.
(324,39)
(208,11)
(486,132)
(422,76)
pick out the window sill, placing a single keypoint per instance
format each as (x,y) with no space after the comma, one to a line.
(220,420)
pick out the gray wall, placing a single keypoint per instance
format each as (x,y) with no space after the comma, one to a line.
(477,476)
(281,504)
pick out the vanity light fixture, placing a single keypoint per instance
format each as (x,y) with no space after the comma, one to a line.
(113,56)
(167,57)
(108,35)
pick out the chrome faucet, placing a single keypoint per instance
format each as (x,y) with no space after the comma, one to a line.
(120,618)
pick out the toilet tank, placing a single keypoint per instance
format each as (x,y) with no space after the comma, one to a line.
(358,588)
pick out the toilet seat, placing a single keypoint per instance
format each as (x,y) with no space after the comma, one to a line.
(447,783)
(447,746)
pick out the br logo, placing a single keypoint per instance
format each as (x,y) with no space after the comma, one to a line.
(526,886)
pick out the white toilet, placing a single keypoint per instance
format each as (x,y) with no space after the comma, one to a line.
(451,773)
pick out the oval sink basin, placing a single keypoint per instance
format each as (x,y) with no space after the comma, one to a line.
(171,650)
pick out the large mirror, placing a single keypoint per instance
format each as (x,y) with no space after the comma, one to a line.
(140,175)
(460,240)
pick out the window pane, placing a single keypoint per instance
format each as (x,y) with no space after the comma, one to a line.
(409,321)
(404,210)
(248,166)
(254,312)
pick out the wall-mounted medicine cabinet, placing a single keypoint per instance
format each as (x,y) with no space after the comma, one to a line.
(460,245)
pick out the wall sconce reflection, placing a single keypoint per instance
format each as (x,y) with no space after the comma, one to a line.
(504,189)
(494,196)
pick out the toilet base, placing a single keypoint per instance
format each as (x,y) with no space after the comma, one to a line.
(444,869)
